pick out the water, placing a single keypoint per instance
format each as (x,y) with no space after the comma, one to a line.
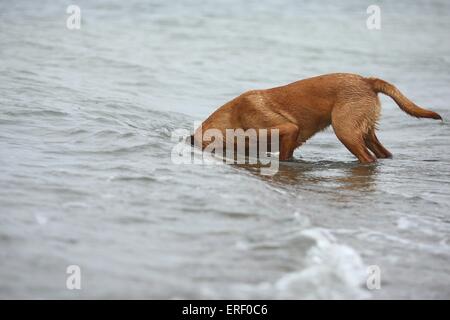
(86,177)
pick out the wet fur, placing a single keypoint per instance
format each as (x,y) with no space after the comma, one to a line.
(299,110)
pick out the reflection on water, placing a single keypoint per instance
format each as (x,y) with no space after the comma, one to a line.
(359,178)
(320,174)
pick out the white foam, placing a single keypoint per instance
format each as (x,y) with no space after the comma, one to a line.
(333,271)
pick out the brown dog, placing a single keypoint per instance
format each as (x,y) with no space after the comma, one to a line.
(348,102)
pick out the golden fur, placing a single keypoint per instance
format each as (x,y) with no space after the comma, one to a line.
(348,102)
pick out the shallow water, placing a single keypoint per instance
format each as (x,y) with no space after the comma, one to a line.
(86,118)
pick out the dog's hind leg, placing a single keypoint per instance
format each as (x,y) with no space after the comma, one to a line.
(350,124)
(355,144)
(375,146)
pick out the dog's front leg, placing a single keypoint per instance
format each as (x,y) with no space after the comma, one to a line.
(288,134)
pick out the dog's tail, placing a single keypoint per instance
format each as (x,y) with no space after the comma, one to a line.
(403,102)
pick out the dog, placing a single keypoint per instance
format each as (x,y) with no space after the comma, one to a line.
(347,102)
